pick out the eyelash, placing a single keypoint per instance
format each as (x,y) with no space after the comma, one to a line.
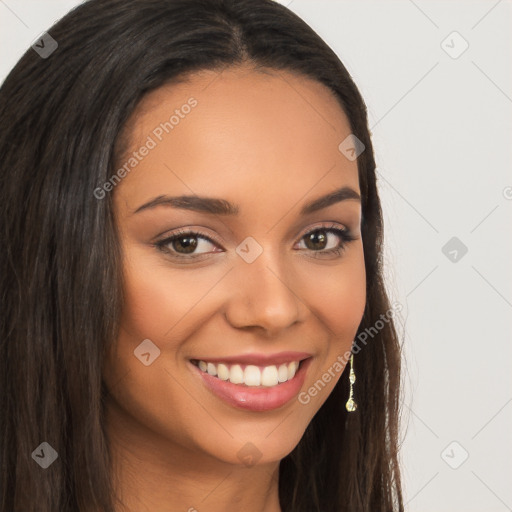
(343,234)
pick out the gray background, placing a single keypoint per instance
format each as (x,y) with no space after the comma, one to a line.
(442,129)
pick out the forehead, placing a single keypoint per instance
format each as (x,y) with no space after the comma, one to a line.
(238,130)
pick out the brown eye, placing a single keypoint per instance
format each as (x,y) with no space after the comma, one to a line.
(316,240)
(186,244)
(327,241)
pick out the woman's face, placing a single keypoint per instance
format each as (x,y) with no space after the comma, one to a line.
(267,283)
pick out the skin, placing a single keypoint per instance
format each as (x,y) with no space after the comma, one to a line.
(268,142)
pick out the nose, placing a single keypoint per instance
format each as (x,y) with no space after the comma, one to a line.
(265,296)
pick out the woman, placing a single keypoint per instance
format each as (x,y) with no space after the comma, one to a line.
(194,311)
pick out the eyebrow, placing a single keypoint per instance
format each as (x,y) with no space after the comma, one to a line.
(222,207)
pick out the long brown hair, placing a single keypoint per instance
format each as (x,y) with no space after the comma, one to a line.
(61,120)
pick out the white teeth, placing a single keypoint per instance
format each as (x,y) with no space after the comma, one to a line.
(212,369)
(222,371)
(269,376)
(292,368)
(236,374)
(282,373)
(252,375)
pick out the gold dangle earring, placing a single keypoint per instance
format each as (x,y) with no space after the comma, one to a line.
(351,405)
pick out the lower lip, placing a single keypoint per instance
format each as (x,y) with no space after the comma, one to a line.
(256,399)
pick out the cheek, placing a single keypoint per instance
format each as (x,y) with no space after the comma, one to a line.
(151,309)
(158,304)
(156,307)
(148,301)
(339,295)
(340,300)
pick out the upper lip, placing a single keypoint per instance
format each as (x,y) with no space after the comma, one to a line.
(258,359)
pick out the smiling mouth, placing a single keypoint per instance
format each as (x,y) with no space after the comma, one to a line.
(250,375)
